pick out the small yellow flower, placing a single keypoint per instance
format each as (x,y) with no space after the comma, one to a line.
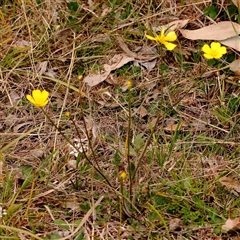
(68,114)
(38,98)
(165,39)
(215,51)
(123,175)
(129,84)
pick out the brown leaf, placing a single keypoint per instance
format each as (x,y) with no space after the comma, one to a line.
(230,184)
(14,97)
(43,69)
(231,225)
(95,79)
(233,42)
(235,66)
(236,2)
(142,111)
(137,56)
(219,31)
(116,62)
(171,126)
(175,224)
(172,26)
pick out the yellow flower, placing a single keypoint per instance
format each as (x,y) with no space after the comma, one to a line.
(38,98)
(215,51)
(129,84)
(123,175)
(165,39)
(68,114)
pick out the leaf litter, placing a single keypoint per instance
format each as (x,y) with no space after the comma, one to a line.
(144,58)
(226,32)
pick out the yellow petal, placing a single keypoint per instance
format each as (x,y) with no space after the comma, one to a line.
(38,98)
(206,48)
(171,36)
(215,46)
(162,32)
(223,50)
(30,99)
(208,56)
(169,46)
(218,55)
(45,94)
(150,37)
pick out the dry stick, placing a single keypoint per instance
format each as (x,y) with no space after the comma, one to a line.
(60,131)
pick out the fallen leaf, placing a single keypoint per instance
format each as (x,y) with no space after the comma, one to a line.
(73,205)
(230,183)
(43,69)
(171,126)
(149,63)
(14,97)
(236,2)
(90,3)
(172,26)
(150,56)
(142,111)
(105,10)
(22,43)
(101,38)
(233,42)
(116,62)
(235,66)
(219,31)
(175,224)
(21,127)
(231,225)
(38,153)
(72,164)
(95,79)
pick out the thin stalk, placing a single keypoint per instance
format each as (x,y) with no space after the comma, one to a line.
(60,131)
(127,144)
(161,218)
(121,204)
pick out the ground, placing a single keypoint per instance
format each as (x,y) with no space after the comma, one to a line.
(146,150)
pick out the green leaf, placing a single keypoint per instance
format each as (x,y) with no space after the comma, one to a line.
(211,11)
(138,142)
(73,6)
(54,236)
(62,224)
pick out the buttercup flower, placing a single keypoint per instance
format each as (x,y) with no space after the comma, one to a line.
(129,84)
(215,50)
(123,175)
(38,98)
(165,39)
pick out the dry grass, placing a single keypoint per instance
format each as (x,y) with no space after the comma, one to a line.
(48,193)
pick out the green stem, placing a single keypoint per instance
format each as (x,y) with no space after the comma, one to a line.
(161,218)
(20,231)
